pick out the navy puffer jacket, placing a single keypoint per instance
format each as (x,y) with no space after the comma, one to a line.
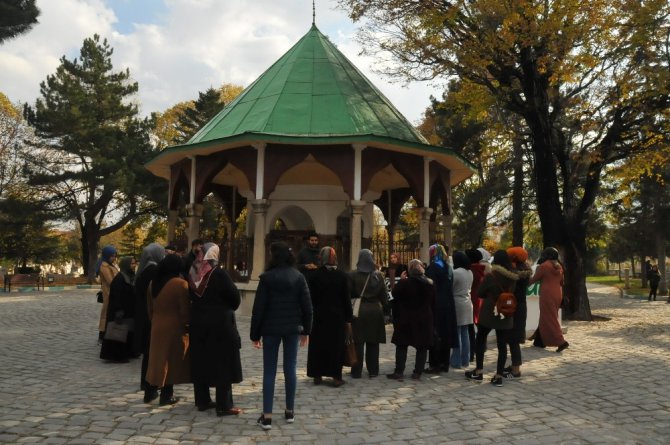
(283,305)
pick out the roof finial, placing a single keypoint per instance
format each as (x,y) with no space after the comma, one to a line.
(313,13)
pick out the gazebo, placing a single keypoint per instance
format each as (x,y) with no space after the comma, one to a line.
(311,145)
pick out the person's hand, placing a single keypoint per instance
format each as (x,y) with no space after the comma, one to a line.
(403,274)
(311,266)
(304,340)
(257,344)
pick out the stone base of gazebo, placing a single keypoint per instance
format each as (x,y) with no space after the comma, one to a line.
(248,295)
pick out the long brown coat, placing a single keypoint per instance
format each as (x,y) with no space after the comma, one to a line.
(107,274)
(169,362)
(550,275)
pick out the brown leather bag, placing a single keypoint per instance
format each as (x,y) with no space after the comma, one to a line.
(506,304)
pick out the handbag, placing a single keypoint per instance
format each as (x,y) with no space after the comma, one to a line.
(357,301)
(99,297)
(117,331)
(350,357)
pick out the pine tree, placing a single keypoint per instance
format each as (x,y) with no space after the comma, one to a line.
(91,170)
(16,17)
(193,119)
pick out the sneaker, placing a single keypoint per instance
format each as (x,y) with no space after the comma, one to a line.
(394,376)
(264,423)
(497,381)
(472,375)
(289,416)
(508,374)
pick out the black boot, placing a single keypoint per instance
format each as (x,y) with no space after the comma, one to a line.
(150,393)
(167,396)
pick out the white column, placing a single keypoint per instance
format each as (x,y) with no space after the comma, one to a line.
(424,233)
(193,180)
(171,224)
(356,232)
(426,181)
(260,168)
(358,151)
(193,215)
(260,208)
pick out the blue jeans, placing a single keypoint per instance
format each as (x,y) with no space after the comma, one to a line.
(270,359)
(460,355)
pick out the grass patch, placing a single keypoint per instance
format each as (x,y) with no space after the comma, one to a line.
(613,280)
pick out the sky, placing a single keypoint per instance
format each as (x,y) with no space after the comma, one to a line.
(177,48)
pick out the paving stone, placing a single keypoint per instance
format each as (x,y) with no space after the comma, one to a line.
(591,393)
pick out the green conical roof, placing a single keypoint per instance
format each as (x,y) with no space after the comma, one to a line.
(313,90)
(312,95)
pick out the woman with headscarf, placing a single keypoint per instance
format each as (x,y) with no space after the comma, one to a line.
(169,310)
(367,283)
(501,279)
(549,273)
(106,270)
(445,330)
(151,256)
(519,257)
(460,354)
(214,339)
(282,314)
(413,304)
(478,269)
(329,290)
(121,309)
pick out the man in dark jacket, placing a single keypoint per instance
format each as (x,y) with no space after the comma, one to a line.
(189,258)
(308,258)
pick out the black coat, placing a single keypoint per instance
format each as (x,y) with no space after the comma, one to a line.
(282,305)
(142,322)
(413,304)
(214,339)
(445,308)
(122,306)
(329,290)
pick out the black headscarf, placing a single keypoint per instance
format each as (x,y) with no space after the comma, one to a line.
(126,269)
(474,255)
(550,253)
(170,267)
(502,259)
(461,260)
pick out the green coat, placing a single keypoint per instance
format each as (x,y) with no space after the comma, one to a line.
(499,280)
(369,326)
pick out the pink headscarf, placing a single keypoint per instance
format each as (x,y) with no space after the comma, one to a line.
(198,276)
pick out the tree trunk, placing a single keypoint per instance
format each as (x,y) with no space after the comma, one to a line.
(517,196)
(663,284)
(89,248)
(567,236)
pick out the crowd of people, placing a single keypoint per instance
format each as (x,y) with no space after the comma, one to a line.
(179,315)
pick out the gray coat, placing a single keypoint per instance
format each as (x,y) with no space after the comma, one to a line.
(369,326)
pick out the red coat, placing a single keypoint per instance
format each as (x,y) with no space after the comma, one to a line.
(478,271)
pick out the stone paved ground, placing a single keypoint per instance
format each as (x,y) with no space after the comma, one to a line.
(609,387)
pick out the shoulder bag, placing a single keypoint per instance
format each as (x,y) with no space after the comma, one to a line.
(357,301)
